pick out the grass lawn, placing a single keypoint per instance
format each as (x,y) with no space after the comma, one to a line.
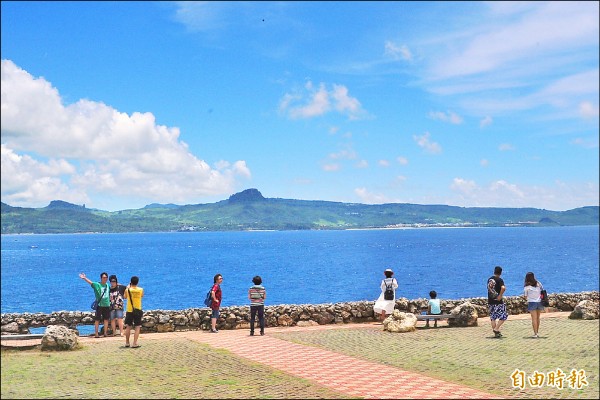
(161,368)
(472,357)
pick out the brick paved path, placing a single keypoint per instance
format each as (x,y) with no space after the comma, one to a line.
(343,373)
(347,374)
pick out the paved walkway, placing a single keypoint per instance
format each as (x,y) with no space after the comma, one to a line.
(352,376)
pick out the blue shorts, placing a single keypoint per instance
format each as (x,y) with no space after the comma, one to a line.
(116,314)
(534,305)
(215,314)
(498,311)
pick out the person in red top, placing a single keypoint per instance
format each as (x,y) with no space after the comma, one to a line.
(216,303)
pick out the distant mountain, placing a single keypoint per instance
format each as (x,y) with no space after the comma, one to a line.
(63,205)
(250,210)
(247,196)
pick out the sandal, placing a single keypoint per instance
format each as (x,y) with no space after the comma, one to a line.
(136,346)
(127,345)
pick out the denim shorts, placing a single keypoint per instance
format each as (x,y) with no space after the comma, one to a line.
(535,305)
(116,314)
(215,314)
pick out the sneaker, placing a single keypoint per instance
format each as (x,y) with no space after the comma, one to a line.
(497,334)
(535,336)
(214,331)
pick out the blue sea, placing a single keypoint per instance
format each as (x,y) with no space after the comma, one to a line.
(40,273)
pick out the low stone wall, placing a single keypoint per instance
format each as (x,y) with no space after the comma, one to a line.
(279,315)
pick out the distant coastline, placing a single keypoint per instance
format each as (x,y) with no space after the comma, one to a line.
(283,230)
(250,211)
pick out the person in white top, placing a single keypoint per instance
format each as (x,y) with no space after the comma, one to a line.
(533,289)
(385,306)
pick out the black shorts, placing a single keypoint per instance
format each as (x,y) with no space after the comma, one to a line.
(133,320)
(102,314)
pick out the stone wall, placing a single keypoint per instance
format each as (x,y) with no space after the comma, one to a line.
(279,315)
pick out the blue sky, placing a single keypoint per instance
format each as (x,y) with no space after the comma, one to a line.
(117,105)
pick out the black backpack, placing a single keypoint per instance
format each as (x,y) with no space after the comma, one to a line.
(389,291)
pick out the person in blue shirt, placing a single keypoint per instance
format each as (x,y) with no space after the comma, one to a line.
(433,307)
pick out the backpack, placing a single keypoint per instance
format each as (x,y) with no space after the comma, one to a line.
(389,291)
(492,294)
(208,299)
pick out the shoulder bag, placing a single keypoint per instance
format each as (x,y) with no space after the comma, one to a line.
(544,297)
(136,311)
(95,303)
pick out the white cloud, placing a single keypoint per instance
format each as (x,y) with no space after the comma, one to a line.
(426,144)
(311,102)
(397,52)
(362,164)
(588,110)
(345,154)
(402,160)
(367,197)
(484,162)
(519,57)
(91,147)
(463,185)
(506,147)
(383,163)
(500,193)
(205,16)
(544,30)
(586,143)
(35,183)
(332,167)
(487,121)
(450,117)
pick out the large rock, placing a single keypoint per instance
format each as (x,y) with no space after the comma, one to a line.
(10,328)
(285,320)
(400,322)
(586,309)
(464,314)
(59,337)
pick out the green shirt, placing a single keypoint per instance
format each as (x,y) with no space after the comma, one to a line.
(98,290)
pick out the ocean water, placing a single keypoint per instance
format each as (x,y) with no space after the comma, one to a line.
(40,273)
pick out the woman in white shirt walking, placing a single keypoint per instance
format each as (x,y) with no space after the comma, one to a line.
(533,290)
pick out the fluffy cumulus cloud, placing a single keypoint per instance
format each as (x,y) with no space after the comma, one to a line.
(317,101)
(55,151)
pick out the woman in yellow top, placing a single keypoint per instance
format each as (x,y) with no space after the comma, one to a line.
(133,295)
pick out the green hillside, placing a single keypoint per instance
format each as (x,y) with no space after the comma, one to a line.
(250,210)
